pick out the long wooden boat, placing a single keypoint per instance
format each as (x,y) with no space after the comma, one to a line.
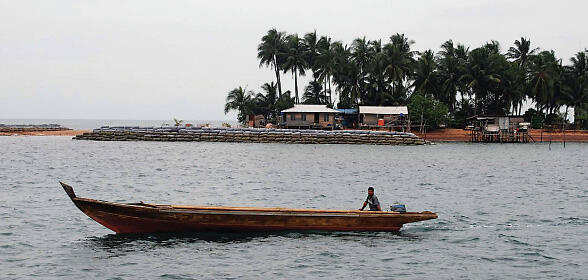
(149,218)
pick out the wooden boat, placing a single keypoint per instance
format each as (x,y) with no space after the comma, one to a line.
(149,218)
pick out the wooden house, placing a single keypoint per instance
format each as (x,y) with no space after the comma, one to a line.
(309,116)
(499,129)
(391,117)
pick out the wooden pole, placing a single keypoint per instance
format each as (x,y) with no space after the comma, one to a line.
(564,135)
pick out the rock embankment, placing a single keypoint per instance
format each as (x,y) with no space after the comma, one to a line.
(251,135)
(16,128)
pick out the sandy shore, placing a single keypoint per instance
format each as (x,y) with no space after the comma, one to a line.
(46,133)
(460,135)
(440,135)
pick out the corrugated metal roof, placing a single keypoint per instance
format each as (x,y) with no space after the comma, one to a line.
(383,110)
(347,111)
(304,108)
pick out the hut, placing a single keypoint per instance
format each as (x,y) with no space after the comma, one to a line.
(347,118)
(256,121)
(499,129)
(391,117)
(309,116)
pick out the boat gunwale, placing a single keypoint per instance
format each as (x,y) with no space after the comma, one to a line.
(227,210)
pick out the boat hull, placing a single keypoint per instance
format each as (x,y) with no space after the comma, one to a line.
(149,218)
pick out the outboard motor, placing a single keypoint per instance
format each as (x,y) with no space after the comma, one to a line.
(398,208)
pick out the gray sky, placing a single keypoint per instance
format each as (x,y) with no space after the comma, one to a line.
(163,59)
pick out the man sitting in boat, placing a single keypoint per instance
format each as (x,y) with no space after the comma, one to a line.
(372,201)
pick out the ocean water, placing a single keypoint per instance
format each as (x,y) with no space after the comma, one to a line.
(506,211)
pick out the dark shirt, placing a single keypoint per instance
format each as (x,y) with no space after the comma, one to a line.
(373,202)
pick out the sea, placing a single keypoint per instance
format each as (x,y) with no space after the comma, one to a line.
(506,211)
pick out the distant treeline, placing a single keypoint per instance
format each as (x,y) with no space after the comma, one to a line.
(456,82)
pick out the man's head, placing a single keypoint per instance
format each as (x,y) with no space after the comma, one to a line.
(371,191)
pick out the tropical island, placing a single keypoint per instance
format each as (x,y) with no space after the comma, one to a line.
(443,88)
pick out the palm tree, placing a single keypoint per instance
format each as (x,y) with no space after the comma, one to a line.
(521,52)
(451,62)
(378,90)
(576,86)
(311,44)
(349,75)
(240,100)
(479,75)
(544,72)
(362,53)
(324,66)
(400,60)
(270,53)
(178,122)
(284,102)
(295,60)
(313,93)
(425,75)
(266,103)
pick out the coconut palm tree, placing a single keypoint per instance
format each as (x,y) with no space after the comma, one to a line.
(576,87)
(362,53)
(521,52)
(451,65)
(544,73)
(241,101)
(284,102)
(400,60)
(479,75)
(295,60)
(325,64)
(313,93)
(310,41)
(270,53)
(378,90)
(266,103)
(425,75)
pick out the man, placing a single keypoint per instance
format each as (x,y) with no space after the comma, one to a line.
(372,200)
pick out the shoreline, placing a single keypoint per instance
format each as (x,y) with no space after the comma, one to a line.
(440,135)
(539,135)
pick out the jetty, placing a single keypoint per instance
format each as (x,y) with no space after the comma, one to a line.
(251,135)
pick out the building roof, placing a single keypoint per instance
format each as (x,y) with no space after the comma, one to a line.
(383,110)
(347,111)
(304,108)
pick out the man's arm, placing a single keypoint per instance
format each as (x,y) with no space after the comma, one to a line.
(378,204)
(364,205)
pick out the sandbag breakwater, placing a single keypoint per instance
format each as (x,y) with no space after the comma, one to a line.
(31,127)
(251,135)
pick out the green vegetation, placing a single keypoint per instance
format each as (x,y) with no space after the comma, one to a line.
(178,122)
(460,81)
(427,111)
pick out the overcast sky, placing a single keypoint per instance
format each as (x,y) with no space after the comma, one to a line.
(163,59)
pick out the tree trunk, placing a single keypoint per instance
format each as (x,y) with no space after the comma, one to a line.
(325,100)
(576,114)
(330,91)
(296,85)
(475,104)
(277,70)
(465,114)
